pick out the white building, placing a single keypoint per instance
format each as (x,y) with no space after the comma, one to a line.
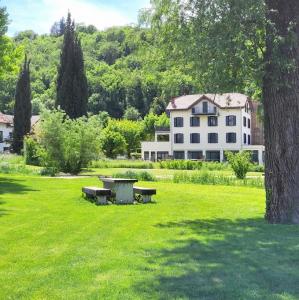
(6,130)
(205,126)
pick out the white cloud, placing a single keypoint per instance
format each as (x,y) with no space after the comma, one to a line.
(98,15)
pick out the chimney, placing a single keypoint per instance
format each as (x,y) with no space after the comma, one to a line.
(173,102)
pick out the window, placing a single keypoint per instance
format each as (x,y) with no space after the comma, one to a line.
(194,122)
(10,135)
(249,140)
(231,120)
(244,121)
(213,156)
(255,156)
(231,137)
(194,138)
(153,156)
(178,154)
(146,155)
(248,123)
(1,136)
(212,121)
(245,138)
(163,137)
(162,155)
(194,154)
(178,138)
(178,122)
(213,138)
(205,107)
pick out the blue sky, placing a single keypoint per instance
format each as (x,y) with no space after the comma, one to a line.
(39,15)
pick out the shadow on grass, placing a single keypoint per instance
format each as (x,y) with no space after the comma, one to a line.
(225,259)
(13,186)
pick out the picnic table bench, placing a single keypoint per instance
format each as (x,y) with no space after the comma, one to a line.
(122,189)
(145,193)
(99,195)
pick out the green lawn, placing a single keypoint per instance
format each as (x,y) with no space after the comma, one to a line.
(195,242)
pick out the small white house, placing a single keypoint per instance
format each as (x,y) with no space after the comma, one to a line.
(6,130)
(204,126)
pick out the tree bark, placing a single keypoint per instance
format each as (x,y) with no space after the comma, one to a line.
(281,107)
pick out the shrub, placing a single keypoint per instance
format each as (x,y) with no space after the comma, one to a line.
(67,145)
(240,163)
(256,168)
(142,176)
(31,149)
(48,171)
(112,143)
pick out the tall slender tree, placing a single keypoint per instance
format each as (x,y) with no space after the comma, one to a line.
(281,108)
(72,89)
(23,107)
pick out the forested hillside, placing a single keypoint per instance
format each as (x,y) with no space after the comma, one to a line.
(181,47)
(123,68)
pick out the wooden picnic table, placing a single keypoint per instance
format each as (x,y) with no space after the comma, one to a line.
(121,188)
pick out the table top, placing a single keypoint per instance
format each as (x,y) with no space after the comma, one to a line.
(118,180)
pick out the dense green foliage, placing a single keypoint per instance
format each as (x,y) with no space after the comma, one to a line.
(72,89)
(220,43)
(67,145)
(124,68)
(140,175)
(240,163)
(22,108)
(10,56)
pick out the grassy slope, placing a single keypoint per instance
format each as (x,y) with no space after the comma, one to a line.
(196,242)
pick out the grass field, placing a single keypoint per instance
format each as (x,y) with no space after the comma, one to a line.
(195,242)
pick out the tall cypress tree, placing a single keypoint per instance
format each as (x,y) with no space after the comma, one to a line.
(22,108)
(72,89)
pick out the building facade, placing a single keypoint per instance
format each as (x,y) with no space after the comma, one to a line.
(203,127)
(6,130)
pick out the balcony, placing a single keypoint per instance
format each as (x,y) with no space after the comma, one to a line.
(208,112)
(162,129)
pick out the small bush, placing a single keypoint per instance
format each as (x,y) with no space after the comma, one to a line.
(256,168)
(49,171)
(142,176)
(240,163)
(31,149)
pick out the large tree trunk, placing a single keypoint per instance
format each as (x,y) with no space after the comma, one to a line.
(281,106)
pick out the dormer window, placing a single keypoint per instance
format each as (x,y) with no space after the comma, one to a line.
(205,107)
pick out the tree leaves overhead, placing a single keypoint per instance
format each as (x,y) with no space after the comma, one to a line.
(220,41)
